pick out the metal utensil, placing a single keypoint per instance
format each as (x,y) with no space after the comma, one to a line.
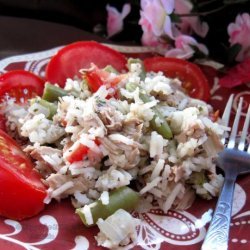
(234,160)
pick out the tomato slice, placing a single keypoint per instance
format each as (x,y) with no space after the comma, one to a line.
(20,84)
(24,192)
(73,57)
(193,80)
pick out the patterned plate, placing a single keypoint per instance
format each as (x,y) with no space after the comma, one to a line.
(58,227)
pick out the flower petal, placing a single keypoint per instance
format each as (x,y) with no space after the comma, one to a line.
(180,53)
(115,19)
(125,10)
(168,5)
(239,33)
(168,27)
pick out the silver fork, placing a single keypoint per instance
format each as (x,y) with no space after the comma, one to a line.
(234,160)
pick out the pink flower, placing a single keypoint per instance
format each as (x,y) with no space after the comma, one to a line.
(155,16)
(115,19)
(148,37)
(184,47)
(189,23)
(239,32)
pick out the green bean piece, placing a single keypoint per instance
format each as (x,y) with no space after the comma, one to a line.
(110,69)
(121,198)
(50,106)
(136,60)
(131,86)
(51,93)
(163,128)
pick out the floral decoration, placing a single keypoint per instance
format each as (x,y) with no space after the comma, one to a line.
(180,28)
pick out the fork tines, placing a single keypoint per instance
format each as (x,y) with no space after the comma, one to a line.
(233,135)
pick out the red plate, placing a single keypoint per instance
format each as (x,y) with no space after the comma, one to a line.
(58,227)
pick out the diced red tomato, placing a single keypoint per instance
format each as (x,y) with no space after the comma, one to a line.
(20,84)
(193,80)
(78,154)
(98,77)
(79,55)
(22,192)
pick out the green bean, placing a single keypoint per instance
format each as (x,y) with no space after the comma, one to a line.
(51,92)
(162,128)
(48,105)
(139,61)
(121,198)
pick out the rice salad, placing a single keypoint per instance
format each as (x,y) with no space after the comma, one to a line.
(146,134)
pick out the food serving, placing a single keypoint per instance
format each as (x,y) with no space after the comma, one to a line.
(112,134)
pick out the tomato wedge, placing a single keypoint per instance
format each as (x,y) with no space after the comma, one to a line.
(73,57)
(193,80)
(20,84)
(22,192)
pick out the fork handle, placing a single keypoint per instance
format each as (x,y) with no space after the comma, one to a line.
(218,231)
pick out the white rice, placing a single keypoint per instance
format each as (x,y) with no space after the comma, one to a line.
(88,215)
(157,169)
(82,198)
(156,144)
(151,185)
(57,192)
(170,199)
(104,198)
(121,138)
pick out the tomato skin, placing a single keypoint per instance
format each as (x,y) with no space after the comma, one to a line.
(190,74)
(21,188)
(73,57)
(15,82)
